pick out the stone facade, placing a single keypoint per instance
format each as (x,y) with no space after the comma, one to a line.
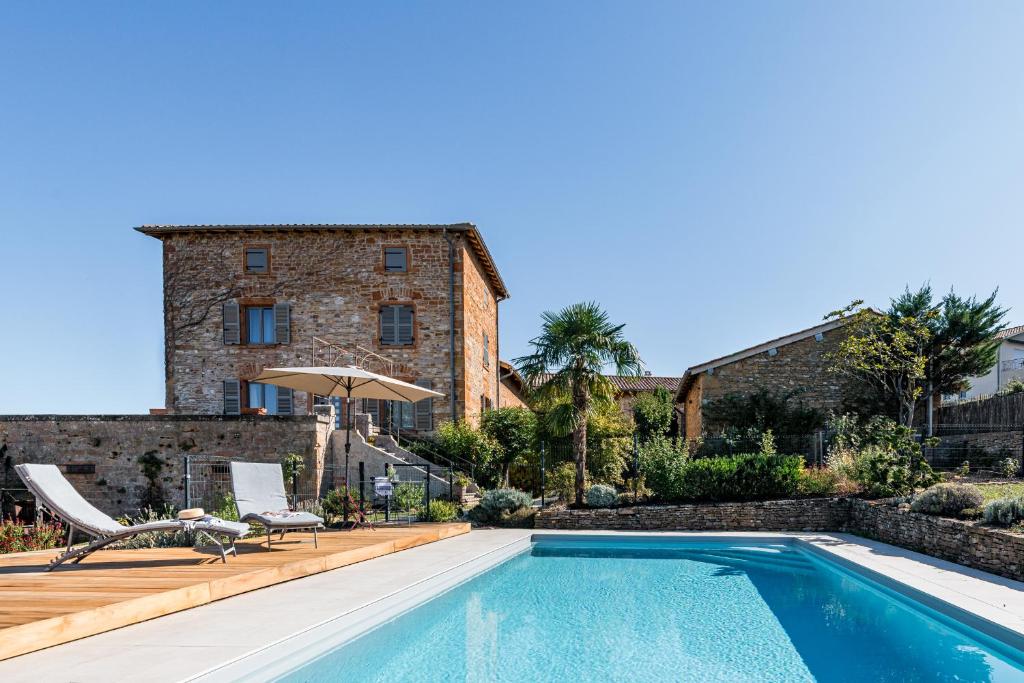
(967,543)
(102,455)
(816,514)
(334,283)
(797,363)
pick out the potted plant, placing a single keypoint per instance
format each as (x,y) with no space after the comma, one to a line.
(460,486)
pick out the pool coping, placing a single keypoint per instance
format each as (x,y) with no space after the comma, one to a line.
(214,642)
(988,603)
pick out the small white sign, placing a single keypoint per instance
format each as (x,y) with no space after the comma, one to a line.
(382,487)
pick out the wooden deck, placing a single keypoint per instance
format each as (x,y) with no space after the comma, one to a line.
(114,588)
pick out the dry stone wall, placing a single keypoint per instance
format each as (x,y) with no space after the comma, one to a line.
(105,456)
(968,543)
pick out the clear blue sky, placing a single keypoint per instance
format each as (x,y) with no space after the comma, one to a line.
(715,174)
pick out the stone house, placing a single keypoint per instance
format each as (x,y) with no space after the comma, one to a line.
(795,362)
(628,387)
(417,302)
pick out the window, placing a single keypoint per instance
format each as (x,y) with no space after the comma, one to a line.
(396,325)
(257,260)
(402,414)
(276,400)
(263,396)
(487,351)
(485,403)
(396,259)
(260,325)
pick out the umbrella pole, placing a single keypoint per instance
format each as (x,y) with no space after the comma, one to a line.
(348,445)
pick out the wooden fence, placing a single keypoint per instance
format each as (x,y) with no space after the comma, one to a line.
(999,411)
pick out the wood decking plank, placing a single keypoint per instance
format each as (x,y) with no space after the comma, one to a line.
(115,588)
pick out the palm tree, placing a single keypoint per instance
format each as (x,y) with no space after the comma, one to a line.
(565,371)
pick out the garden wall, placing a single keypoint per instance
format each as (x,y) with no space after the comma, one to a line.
(814,514)
(103,455)
(967,543)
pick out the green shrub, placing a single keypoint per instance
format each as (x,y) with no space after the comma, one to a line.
(884,472)
(601,496)
(1005,511)
(333,504)
(226,508)
(1009,467)
(742,477)
(562,480)
(179,539)
(496,501)
(407,496)
(663,462)
(948,500)
(442,511)
(818,481)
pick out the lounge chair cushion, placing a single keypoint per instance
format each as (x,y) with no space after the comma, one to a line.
(259,488)
(60,497)
(284,520)
(57,494)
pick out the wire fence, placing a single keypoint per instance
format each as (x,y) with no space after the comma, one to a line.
(207,484)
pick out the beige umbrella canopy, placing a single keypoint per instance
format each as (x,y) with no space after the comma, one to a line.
(348,382)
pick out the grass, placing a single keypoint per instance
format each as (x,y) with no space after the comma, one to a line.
(996,491)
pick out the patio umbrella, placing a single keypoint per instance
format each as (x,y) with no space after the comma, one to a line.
(348,382)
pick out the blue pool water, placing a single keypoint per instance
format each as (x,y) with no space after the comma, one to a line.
(651,610)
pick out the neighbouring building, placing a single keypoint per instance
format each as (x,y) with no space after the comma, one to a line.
(628,387)
(513,387)
(795,362)
(418,302)
(1009,366)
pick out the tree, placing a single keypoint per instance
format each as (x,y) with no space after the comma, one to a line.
(574,347)
(962,341)
(918,347)
(652,413)
(514,430)
(460,441)
(884,351)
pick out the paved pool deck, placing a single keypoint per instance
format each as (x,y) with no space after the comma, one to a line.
(242,634)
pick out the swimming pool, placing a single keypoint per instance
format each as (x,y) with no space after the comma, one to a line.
(668,609)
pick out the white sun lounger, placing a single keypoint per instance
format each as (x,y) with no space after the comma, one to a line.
(56,494)
(260,497)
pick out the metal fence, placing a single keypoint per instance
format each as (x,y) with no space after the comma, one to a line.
(207,484)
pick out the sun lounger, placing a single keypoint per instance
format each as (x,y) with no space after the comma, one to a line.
(260,496)
(56,494)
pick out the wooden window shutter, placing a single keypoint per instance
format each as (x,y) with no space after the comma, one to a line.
(404,324)
(232,323)
(285,401)
(283,323)
(425,408)
(388,325)
(232,397)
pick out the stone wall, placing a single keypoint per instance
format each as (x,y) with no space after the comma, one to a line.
(967,543)
(335,283)
(799,366)
(480,320)
(815,514)
(107,452)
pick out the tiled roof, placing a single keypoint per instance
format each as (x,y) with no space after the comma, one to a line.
(631,383)
(1010,332)
(472,234)
(627,383)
